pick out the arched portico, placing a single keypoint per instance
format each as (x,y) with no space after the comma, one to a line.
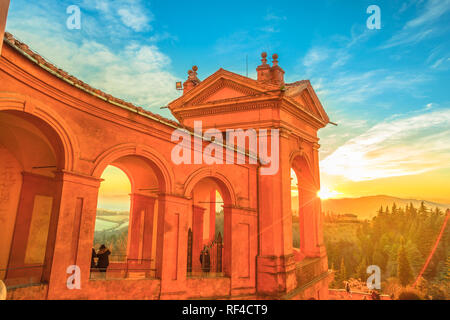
(66,133)
(32,154)
(211,201)
(155,160)
(68,144)
(149,179)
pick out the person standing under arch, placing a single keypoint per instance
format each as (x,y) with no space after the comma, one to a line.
(103,259)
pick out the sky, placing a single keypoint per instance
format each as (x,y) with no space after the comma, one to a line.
(387,89)
(115,190)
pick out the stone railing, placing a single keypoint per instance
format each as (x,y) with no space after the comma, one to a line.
(309,269)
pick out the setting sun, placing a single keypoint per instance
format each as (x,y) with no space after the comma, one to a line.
(326,193)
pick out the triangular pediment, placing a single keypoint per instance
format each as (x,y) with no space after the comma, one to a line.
(222,89)
(225,88)
(223,85)
(305,96)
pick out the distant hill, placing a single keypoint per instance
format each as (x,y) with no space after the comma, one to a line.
(367,207)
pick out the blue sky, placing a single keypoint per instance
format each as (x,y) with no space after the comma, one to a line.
(387,89)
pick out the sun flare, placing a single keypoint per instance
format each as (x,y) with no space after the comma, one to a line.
(326,193)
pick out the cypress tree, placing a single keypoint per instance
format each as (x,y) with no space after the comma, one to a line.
(342,272)
(404,272)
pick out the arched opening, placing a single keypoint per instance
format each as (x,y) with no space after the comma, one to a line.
(209,236)
(31,155)
(113,213)
(295,210)
(126,221)
(303,207)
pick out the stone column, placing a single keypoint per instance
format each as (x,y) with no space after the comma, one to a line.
(171,252)
(141,228)
(308,224)
(320,250)
(212,215)
(276,262)
(243,250)
(74,236)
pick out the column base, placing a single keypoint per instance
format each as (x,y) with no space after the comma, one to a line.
(275,275)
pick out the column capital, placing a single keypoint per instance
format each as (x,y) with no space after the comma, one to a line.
(285,133)
(144,196)
(78,178)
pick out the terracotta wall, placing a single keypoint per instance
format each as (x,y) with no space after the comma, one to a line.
(10,186)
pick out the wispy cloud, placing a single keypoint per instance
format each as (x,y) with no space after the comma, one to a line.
(158,37)
(134,18)
(433,11)
(356,87)
(271,16)
(395,147)
(315,56)
(132,13)
(337,54)
(421,27)
(137,72)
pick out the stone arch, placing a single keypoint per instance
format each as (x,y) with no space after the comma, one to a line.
(222,180)
(150,176)
(308,209)
(302,165)
(201,183)
(69,144)
(157,161)
(40,145)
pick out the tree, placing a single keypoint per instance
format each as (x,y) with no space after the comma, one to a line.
(447,274)
(342,276)
(404,272)
(423,210)
(394,208)
(361,270)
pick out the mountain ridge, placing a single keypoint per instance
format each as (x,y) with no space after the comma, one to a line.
(368,206)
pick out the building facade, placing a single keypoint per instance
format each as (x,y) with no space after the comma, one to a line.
(57,136)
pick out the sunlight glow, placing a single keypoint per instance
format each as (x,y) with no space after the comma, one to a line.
(326,193)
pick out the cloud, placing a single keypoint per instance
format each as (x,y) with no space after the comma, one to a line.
(138,71)
(406,37)
(134,18)
(270,16)
(434,9)
(337,54)
(395,147)
(315,56)
(158,37)
(357,87)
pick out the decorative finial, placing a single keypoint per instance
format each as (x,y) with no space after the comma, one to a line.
(195,68)
(275,59)
(264,57)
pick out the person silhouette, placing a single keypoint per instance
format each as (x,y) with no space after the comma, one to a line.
(103,259)
(205,260)
(93,255)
